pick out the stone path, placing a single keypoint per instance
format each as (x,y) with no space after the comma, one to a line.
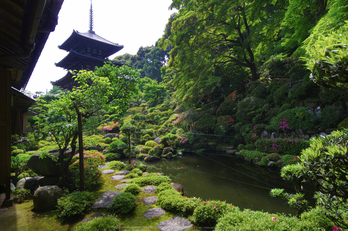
(125,180)
(119,177)
(123,172)
(175,224)
(108,171)
(149,189)
(105,200)
(121,186)
(150,200)
(155,212)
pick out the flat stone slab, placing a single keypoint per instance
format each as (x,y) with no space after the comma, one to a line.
(150,200)
(123,172)
(94,216)
(108,171)
(125,180)
(103,166)
(119,177)
(155,212)
(175,224)
(121,186)
(105,200)
(149,189)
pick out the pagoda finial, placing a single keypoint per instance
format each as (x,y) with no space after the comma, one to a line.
(91,20)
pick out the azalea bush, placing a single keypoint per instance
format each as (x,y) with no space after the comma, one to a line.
(136,164)
(281,146)
(74,204)
(21,194)
(100,223)
(123,204)
(151,179)
(92,173)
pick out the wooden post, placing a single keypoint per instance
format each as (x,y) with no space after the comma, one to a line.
(82,171)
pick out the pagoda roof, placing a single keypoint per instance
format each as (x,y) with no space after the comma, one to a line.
(74,57)
(77,39)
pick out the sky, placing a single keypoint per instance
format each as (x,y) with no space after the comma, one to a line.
(131,23)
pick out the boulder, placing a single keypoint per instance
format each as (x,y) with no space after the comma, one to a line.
(46,166)
(105,200)
(178,187)
(150,200)
(48,180)
(157,140)
(111,135)
(121,186)
(95,147)
(149,189)
(175,224)
(31,183)
(152,158)
(118,177)
(109,171)
(123,172)
(45,198)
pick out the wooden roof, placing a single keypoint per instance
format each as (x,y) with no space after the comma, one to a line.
(77,41)
(24,29)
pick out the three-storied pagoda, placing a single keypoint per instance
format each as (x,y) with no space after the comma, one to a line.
(86,51)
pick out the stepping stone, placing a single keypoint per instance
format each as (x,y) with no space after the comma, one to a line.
(145,173)
(150,200)
(119,177)
(108,171)
(155,212)
(175,224)
(103,166)
(94,216)
(123,172)
(149,189)
(105,200)
(121,186)
(125,180)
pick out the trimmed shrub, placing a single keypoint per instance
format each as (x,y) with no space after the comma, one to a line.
(138,165)
(117,146)
(172,201)
(207,213)
(112,156)
(145,149)
(131,175)
(163,186)
(155,151)
(107,140)
(133,189)
(100,223)
(116,165)
(74,204)
(123,204)
(137,171)
(151,179)
(150,143)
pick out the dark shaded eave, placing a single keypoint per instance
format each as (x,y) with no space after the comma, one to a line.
(74,56)
(24,30)
(20,100)
(76,38)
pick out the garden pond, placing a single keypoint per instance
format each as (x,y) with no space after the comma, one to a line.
(226,178)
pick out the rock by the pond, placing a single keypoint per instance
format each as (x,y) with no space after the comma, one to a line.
(157,140)
(152,158)
(125,180)
(175,224)
(119,177)
(108,171)
(178,187)
(46,166)
(149,189)
(155,212)
(31,183)
(45,198)
(150,200)
(123,172)
(105,200)
(121,186)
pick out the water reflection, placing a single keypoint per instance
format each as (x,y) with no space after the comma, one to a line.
(228,179)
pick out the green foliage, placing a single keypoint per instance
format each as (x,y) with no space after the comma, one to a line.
(248,109)
(151,143)
(252,155)
(295,200)
(112,156)
(21,194)
(170,140)
(137,171)
(172,201)
(19,163)
(117,146)
(74,204)
(100,223)
(330,117)
(343,124)
(163,186)
(207,213)
(117,165)
(155,151)
(123,204)
(280,95)
(290,159)
(137,165)
(107,140)
(151,179)
(282,145)
(134,189)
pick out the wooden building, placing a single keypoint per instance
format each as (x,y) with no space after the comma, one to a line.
(24,29)
(86,51)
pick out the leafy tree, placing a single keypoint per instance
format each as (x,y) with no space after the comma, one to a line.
(128,130)
(328,59)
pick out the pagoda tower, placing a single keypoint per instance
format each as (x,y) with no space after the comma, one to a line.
(86,52)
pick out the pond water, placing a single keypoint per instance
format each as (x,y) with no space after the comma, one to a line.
(226,178)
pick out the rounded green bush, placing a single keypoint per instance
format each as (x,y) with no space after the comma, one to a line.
(123,204)
(207,213)
(74,204)
(100,223)
(150,143)
(116,165)
(107,140)
(163,186)
(137,171)
(133,189)
(117,146)
(112,156)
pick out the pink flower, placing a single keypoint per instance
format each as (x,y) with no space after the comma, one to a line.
(335,228)
(213,207)
(274,218)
